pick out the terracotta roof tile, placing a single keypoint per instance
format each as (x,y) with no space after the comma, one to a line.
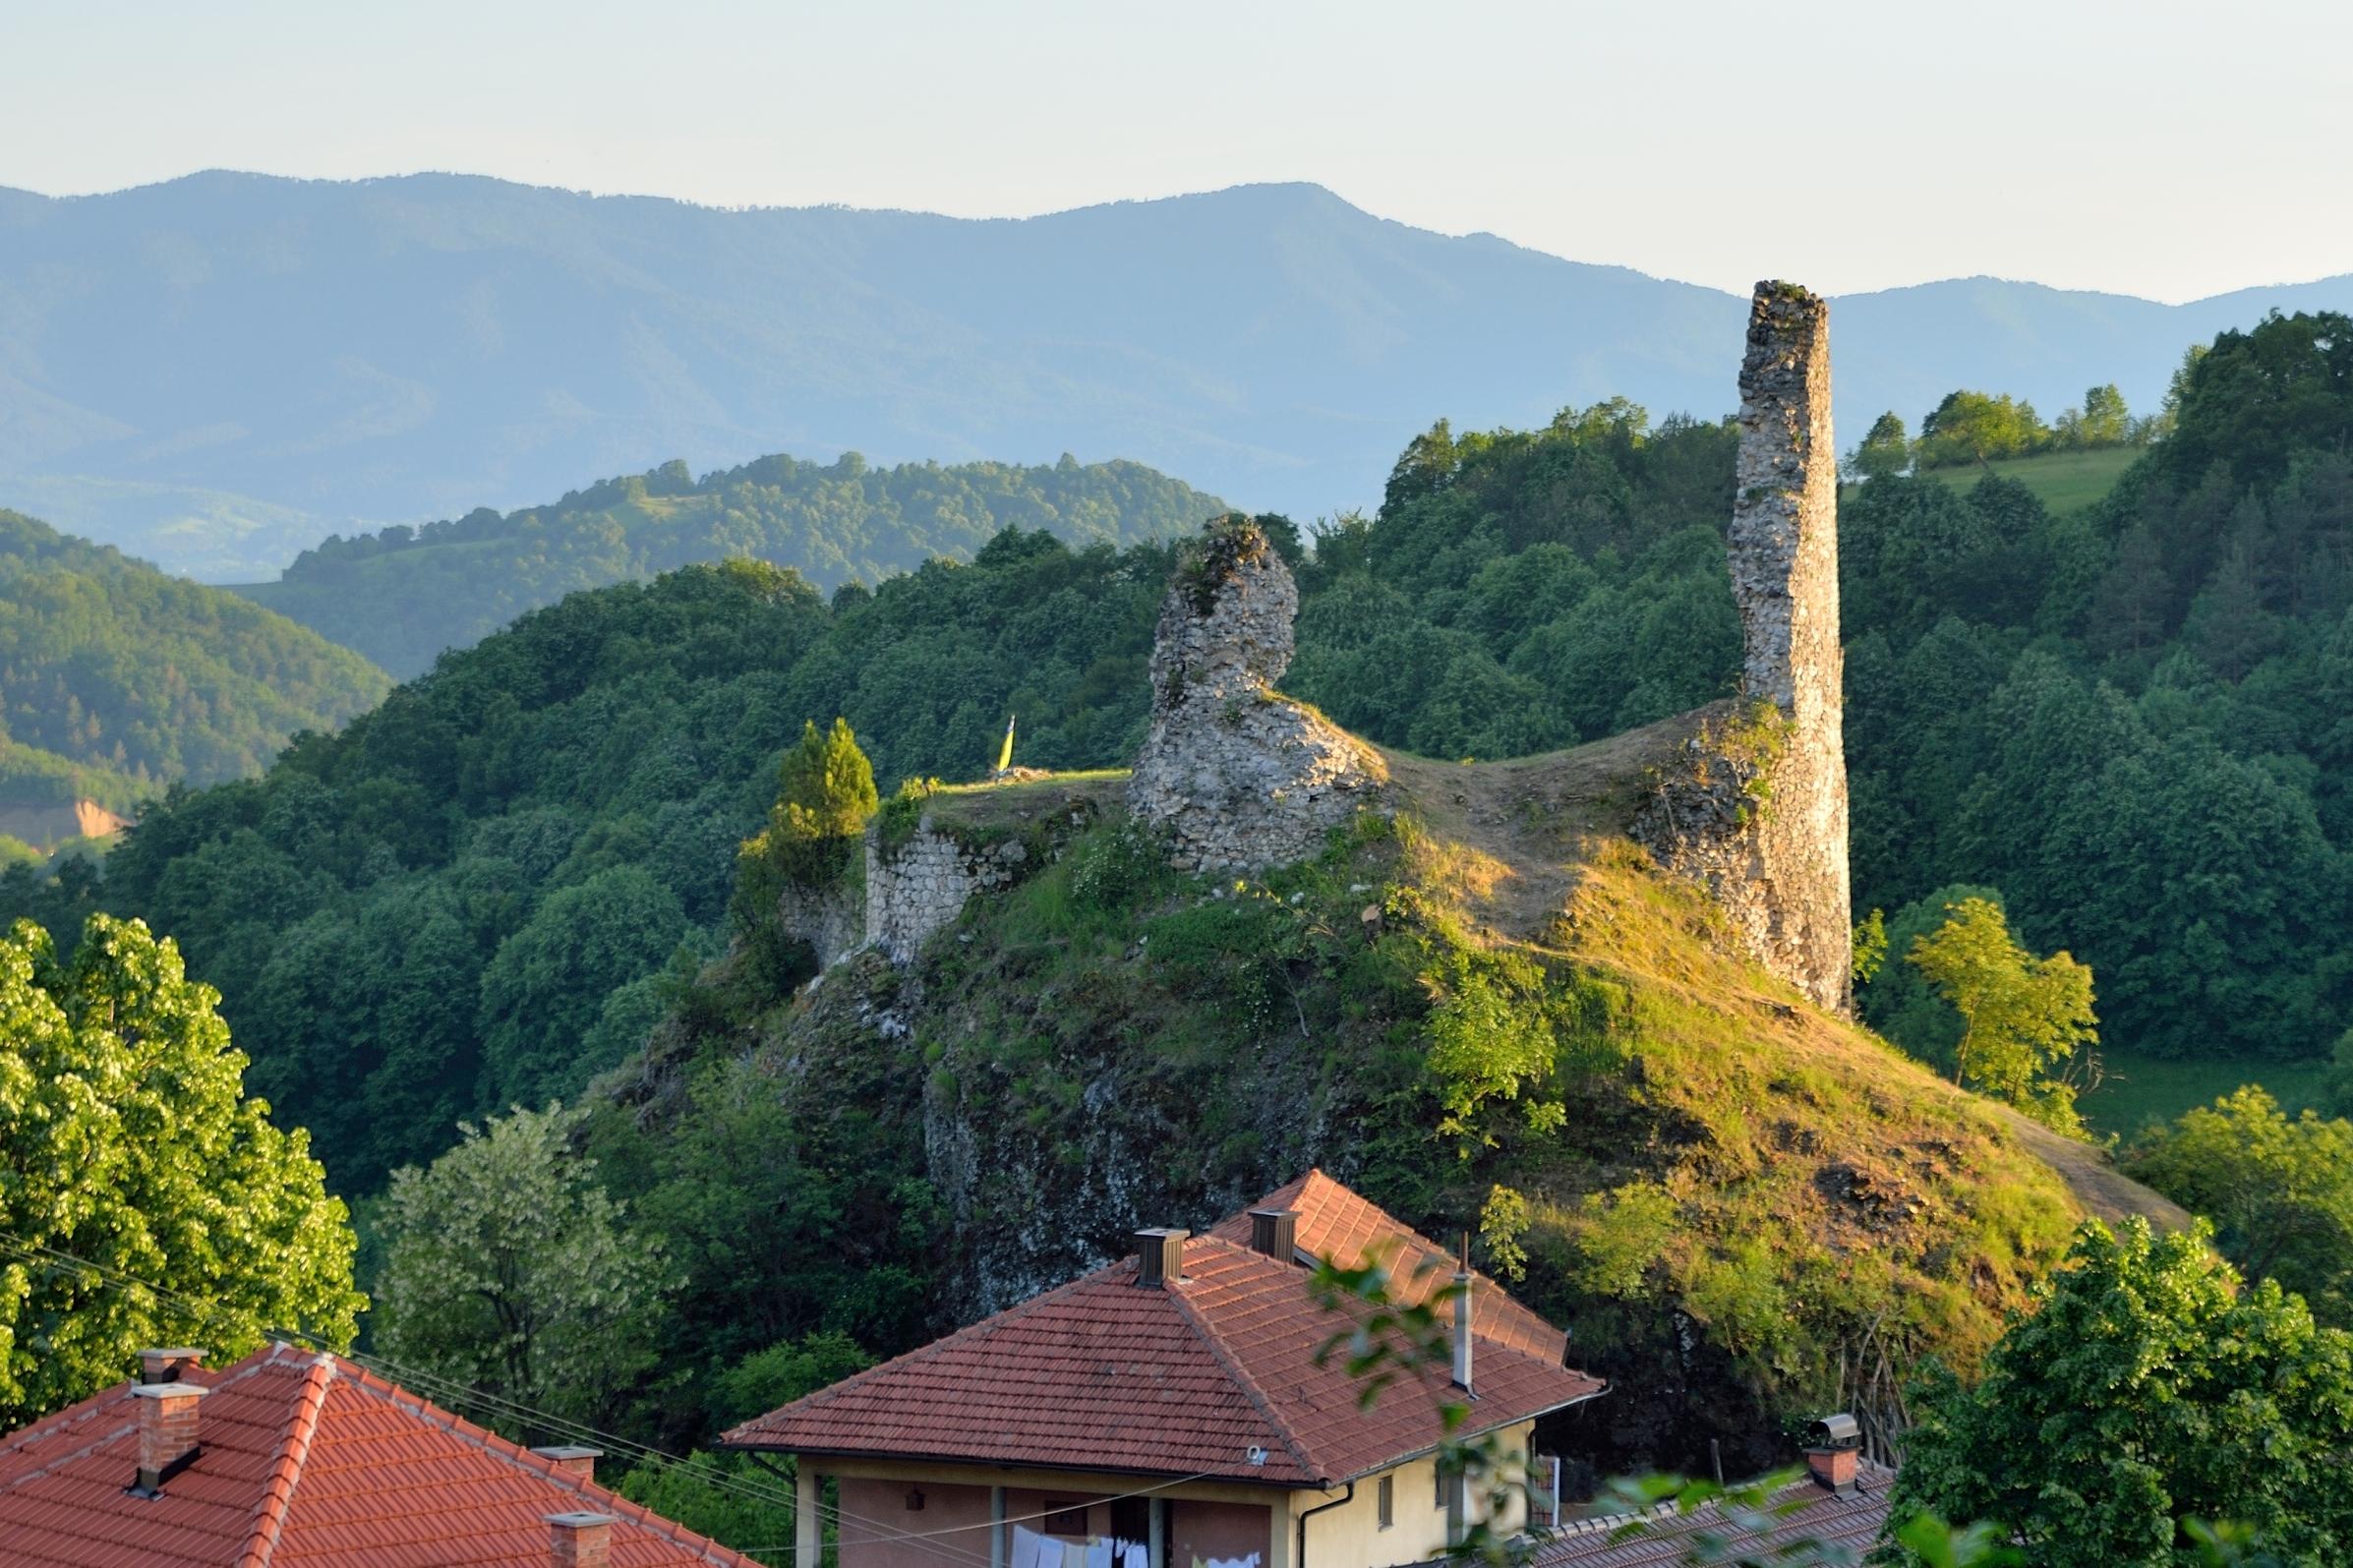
(1336,1222)
(1185,1381)
(1852,1520)
(307,1461)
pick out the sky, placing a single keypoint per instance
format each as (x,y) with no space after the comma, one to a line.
(2161,149)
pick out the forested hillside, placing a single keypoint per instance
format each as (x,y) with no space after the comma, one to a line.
(404,595)
(116,679)
(2125,720)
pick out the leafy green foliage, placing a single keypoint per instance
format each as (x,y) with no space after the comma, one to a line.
(2023,1018)
(403,595)
(509,1269)
(1979,426)
(2280,1191)
(728,1497)
(2146,1386)
(110,666)
(470,895)
(128,1152)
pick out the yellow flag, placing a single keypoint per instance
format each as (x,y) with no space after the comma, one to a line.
(1004,753)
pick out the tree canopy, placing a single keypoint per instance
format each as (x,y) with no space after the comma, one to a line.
(509,1269)
(143,1199)
(2146,1386)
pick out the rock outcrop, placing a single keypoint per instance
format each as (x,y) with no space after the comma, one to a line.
(1756,809)
(1240,776)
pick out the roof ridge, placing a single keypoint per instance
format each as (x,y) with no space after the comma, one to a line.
(816,1398)
(1234,1369)
(294,1451)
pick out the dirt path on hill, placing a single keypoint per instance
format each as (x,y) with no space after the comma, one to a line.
(1531,816)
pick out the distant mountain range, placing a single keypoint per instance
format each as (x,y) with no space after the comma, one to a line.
(219,371)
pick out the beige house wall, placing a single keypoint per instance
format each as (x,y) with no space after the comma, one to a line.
(1225,1518)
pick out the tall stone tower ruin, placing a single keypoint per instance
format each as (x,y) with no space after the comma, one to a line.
(1761,813)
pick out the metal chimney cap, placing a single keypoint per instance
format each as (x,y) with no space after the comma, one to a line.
(1840,1430)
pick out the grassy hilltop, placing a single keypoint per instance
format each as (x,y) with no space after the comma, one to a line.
(1490,1011)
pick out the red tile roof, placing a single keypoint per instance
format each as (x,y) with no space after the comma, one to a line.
(1336,1222)
(307,1461)
(1185,1381)
(1852,1520)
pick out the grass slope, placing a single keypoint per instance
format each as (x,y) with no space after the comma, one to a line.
(2064,481)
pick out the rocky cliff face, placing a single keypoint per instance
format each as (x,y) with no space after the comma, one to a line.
(1240,776)
(1757,810)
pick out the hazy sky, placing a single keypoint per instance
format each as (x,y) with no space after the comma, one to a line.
(2163,148)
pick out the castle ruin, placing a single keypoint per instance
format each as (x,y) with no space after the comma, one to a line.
(1756,809)
(1241,776)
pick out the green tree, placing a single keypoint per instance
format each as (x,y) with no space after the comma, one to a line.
(507,1268)
(2022,1016)
(1886,449)
(825,792)
(126,1141)
(1979,428)
(2280,1191)
(2144,1385)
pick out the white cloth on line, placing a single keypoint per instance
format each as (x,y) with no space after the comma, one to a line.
(1139,1556)
(1098,1553)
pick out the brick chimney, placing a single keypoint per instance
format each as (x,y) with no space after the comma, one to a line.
(581,1540)
(167,1434)
(1834,1469)
(1275,1232)
(166,1366)
(1159,1258)
(580,1463)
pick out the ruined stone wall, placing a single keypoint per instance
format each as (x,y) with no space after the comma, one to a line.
(1241,776)
(1757,809)
(916,887)
(830,919)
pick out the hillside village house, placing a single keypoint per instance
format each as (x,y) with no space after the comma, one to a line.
(1168,1411)
(299,1457)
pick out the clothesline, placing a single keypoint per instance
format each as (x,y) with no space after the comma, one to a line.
(1032,1549)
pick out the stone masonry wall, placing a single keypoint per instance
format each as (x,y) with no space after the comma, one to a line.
(920,886)
(1241,776)
(1758,810)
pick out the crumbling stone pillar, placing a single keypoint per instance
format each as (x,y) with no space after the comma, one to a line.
(1760,812)
(1241,776)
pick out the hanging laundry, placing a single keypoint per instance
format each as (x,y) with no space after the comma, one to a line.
(1074,1554)
(1024,1549)
(1098,1553)
(1137,1555)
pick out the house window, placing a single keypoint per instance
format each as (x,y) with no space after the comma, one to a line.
(1438,1472)
(1066,1519)
(1388,1501)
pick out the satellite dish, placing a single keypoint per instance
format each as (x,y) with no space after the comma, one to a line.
(1256,1455)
